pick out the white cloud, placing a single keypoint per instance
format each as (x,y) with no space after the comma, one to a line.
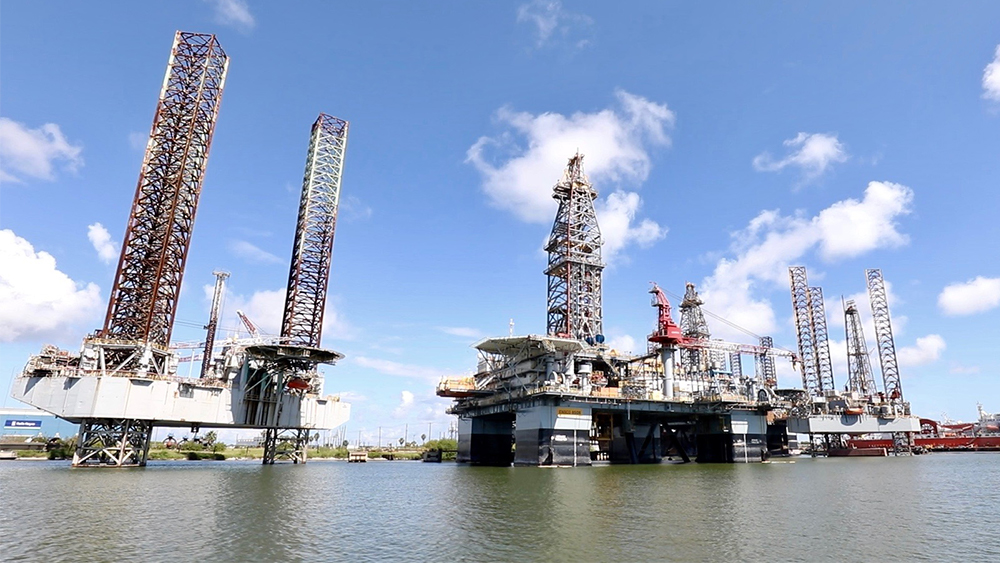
(974,296)
(37,300)
(398,369)
(265,309)
(551,22)
(771,242)
(991,78)
(107,250)
(461,331)
(35,152)
(813,153)
(623,343)
(927,349)
(405,402)
(235,13)
(534,150)
(252,253)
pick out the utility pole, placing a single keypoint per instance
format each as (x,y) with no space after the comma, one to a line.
(380,437)
(406,434)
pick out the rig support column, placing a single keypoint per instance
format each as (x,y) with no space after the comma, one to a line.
(739,437)
(289,444)
(113,442)
(551,435)
(485,440)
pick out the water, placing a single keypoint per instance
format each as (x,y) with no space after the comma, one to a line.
(939,507)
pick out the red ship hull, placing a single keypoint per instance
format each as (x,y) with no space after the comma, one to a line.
(948,444)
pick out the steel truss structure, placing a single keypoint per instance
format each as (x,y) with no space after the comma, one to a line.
(302,322)
(859,368)
(144,297)
(213,322)
(902,442)
(821,339)
(113,443)
(574,268)
(883,336)
(285,444)
(694,327)
(811,334)
(766,372)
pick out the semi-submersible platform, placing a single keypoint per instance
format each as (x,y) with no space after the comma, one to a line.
(124,380)
(566,398)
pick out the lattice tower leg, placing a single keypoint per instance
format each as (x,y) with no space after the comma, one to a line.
(113,443)
(902,443)
(285,444)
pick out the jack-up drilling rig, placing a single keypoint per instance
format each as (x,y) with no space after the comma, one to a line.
(861,409)
(124,381)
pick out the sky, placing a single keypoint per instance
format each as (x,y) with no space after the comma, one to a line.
(727,143)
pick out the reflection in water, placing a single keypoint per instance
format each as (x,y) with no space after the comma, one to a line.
(935,507)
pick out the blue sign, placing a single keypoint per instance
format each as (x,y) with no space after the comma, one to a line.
(22,424)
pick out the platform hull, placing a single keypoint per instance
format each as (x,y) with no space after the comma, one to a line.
(167,402)
(851,424)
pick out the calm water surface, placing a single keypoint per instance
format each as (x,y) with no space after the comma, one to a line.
(939,507)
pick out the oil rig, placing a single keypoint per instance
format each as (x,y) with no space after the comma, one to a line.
(566,398)
(124,380)
(831,416)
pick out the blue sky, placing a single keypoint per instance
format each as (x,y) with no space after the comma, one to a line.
(726,144)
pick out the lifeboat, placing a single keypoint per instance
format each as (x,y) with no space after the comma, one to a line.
(854,410)
(297,383)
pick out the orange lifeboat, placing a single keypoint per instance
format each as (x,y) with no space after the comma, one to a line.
(297,383)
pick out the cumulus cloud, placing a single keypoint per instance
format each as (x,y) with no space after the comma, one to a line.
(252,253)
(926,350)
(533,151)
(812,153)
(37,300)
(974,296)
(991,78)
(550,22)
(35,152)
(772,241)
(234,13)
(106,249)
(265,309)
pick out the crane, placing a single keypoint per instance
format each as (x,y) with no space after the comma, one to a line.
(251,328)
(671,337)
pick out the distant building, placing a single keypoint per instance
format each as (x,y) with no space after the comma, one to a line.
(29,422)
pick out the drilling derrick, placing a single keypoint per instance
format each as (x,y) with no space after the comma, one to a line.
(767,375)
(859,368)
(574,268)
(302,322)
(694,327)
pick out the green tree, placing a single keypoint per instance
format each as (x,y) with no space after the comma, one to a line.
(210,438)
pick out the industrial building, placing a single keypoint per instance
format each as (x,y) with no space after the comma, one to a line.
(124,380)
